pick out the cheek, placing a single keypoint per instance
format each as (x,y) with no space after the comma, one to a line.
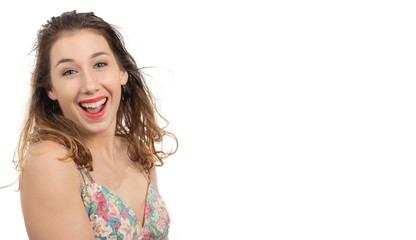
(66,105)
(65,96)
(112,85)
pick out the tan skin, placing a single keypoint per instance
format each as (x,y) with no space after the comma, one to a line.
(82,67)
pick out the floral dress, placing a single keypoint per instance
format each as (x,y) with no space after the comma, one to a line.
(112,219)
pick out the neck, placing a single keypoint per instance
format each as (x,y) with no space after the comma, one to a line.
(104,148)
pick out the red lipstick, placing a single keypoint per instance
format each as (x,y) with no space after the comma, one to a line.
(94,108)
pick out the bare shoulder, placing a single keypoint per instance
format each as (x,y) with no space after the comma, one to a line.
(43,152)
(50,195)
(44,162)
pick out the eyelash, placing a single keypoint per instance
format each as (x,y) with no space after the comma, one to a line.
(97,65)
(100,64)
(68,72)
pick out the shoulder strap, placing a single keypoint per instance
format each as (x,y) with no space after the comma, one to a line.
(147,175)
(85,173)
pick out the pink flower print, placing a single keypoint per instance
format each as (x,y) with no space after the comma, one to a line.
(160,226)
(147,210)
(126,230)
(124,214)
(117,226)
(99,196)
(100,226)
(104,230)
(167,218)
(146,231)
(102,210)
(156,205)
(149,236)
(164,214)
(113,210)
(131,212)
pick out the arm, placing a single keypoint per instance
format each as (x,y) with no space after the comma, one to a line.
(50,196)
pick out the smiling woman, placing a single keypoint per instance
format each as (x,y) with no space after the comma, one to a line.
(89,147)
(86,80)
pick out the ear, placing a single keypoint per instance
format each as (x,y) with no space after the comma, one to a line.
(124,77)
(51,94)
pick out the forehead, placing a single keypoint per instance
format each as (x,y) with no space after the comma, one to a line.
(78,45)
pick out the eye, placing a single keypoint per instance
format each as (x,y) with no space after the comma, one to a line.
(69,72)
(100,65)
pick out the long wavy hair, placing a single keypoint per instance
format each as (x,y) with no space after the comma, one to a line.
(137,120)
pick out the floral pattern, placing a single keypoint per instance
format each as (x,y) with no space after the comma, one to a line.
(112,219)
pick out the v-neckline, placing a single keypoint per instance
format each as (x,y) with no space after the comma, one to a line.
(133,213)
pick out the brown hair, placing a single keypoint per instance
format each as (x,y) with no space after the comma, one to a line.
(136,117)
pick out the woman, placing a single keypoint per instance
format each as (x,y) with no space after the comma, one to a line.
(88,149)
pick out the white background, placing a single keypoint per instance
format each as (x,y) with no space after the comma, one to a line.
(296,119)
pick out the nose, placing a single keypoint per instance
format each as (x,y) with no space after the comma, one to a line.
(89,83)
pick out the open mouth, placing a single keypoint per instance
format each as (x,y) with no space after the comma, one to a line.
(94,107)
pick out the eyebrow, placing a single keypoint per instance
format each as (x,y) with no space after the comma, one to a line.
(64,60)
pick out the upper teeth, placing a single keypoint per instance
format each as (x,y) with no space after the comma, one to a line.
(94,105)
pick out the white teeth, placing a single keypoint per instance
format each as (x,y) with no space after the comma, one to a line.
(94,105)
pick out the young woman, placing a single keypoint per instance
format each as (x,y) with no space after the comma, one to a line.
(88,149)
